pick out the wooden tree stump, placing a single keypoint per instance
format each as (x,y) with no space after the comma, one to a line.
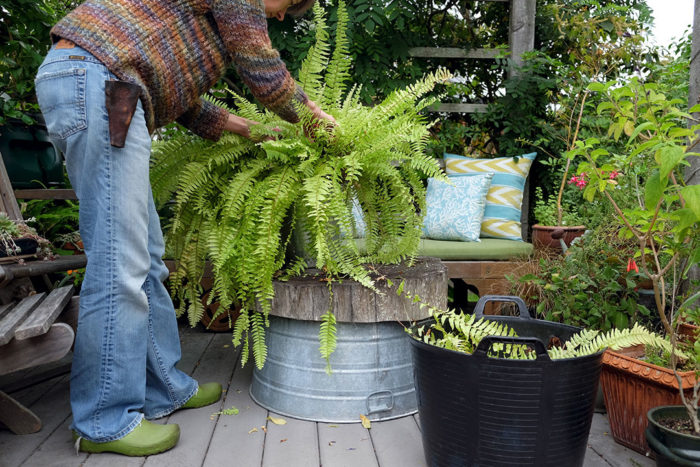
(307,297)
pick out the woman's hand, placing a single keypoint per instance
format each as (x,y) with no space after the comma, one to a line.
(239,125)
(318,113)
(320,118)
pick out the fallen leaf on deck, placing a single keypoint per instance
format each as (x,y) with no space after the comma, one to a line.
(283,440)
(264,429)
(365,422)
(332,426)
(277,421)
(331,443)
(231,411)
(253,430)
(227,346)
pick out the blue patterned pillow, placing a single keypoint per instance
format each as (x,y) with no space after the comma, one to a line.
(454,212)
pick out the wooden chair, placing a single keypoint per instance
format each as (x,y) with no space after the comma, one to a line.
(35,327)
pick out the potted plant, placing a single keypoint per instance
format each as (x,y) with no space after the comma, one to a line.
(72,242)
(516,389)
(239,204)
(18,239)
(664,221)
(673,433)
(555,221)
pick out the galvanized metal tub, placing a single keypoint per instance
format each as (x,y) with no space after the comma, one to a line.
(372,372)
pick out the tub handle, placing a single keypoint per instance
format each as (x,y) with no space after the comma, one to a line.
(380,396)
(485,344)
(522,308)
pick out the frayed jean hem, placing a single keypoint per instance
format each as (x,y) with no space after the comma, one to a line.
(175,406)
(137,421)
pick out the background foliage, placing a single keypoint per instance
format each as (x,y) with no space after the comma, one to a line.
(24,41)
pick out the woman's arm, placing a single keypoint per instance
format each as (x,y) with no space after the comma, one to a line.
(243,28)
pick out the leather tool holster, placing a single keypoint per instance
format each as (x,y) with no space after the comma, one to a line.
(121,99)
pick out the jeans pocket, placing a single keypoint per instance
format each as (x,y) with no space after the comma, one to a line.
(61,96)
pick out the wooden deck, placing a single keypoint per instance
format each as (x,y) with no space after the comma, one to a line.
(247,439)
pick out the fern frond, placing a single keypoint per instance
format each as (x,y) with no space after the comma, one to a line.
(327,337)
(317,57)
(338,71)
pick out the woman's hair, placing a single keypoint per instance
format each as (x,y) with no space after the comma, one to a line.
(299,7)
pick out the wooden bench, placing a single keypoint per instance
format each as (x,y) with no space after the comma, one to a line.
(36,328)
(32,334)
(478,267)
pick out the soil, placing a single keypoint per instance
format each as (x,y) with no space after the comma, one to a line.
(684,425)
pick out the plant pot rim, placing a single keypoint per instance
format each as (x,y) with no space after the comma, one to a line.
(671,410)
(556,227)
(457,354)
(646,370)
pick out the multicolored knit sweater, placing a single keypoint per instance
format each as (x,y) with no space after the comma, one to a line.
(176,50)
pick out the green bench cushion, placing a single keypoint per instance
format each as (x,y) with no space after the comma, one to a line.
(486,249)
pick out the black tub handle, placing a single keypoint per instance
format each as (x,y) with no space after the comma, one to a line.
(486,342)
(522,308)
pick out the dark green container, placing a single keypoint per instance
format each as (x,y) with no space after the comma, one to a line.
(671,448)
(30,158)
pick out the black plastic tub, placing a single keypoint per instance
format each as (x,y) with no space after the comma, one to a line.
(477,410)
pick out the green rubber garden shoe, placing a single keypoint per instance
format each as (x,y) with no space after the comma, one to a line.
(206,394)
(146,439)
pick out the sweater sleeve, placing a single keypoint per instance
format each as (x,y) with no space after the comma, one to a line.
(243,28)
(204,119)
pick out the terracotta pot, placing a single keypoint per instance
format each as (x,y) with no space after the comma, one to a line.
(631,387)
(542,236)
(687,331)
(225,320)
(76,248)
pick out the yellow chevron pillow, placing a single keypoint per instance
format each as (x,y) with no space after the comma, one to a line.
(505,197)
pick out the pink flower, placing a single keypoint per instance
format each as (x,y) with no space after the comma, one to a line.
(614,174)
(573,179)
(581,183)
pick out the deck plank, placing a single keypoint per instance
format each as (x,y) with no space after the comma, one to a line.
(345,445)
(294,444)
(232,433)
(226,441)
(197,425)
(58,450)
(49,400)
(193,343)
(398,443)
(593,459)
(601,441)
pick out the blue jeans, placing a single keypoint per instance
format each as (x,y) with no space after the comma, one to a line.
(127,342)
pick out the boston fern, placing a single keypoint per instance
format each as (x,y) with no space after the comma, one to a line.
(237,204)
(463,332)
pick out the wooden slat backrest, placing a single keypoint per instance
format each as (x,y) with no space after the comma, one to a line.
(8,203)
(45,314)
(16,316)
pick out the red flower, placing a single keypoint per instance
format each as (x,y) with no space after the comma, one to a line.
(632,265)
